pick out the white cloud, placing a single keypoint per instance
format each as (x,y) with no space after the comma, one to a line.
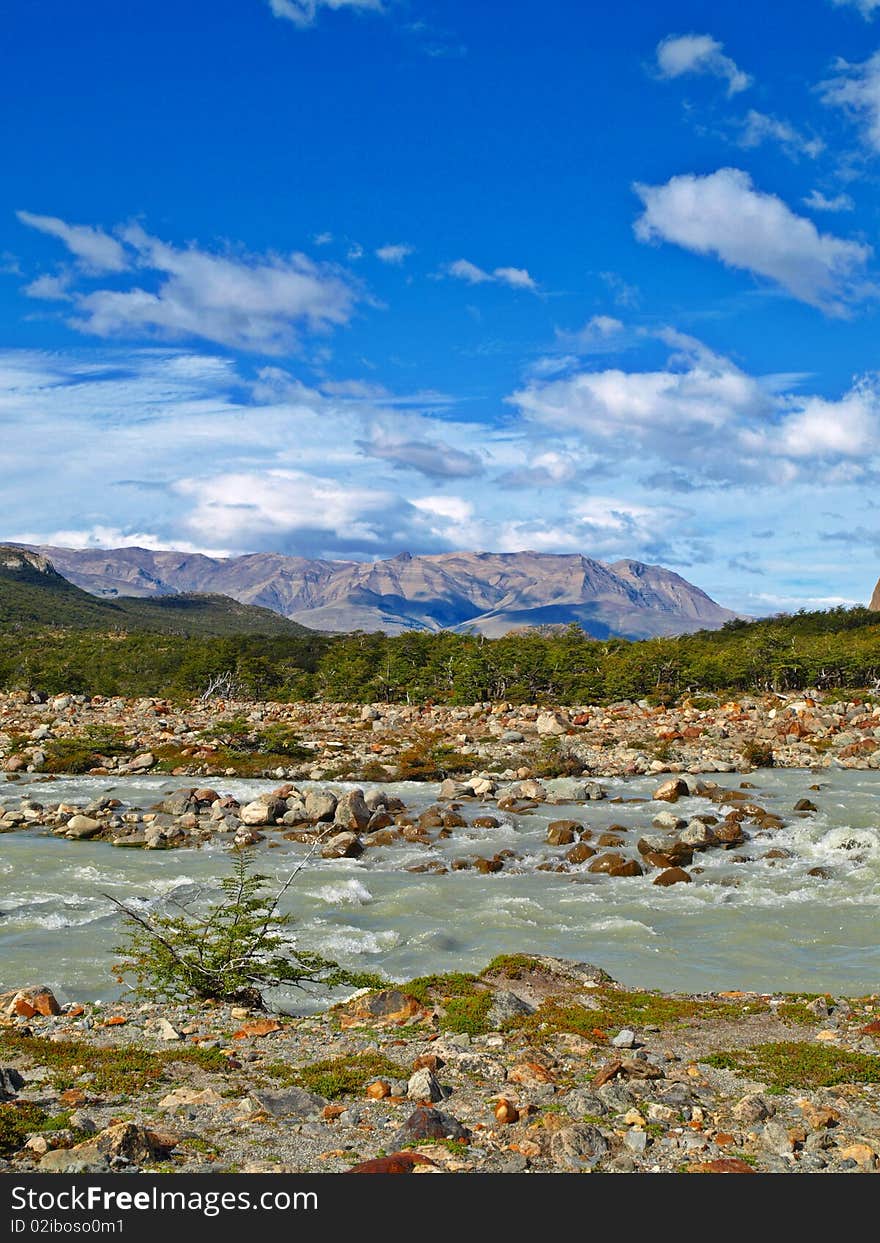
(395,252)
(758,128)
(305,12)
(681,54)
(259,303)
(856,89)
(867,8)
(723,215)
(598,334)
(704,415)
(96,250)
(52,288)
(819,202)
(248,508)
(516,278)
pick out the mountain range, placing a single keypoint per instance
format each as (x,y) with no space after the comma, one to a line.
(486,593)
(33,593)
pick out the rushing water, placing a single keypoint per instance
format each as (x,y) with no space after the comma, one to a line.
(762,924)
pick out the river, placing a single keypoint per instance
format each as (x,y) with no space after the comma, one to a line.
(762,924)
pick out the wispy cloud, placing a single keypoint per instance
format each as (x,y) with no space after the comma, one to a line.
(723,215)
(867,8)
(856,89)
(250,302)
(758,128)
(678,55)
(820,202)
(395,252)
(304,13)
(516,278)
(96,250)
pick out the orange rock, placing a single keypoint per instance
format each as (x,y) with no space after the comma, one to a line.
(75,1011)
(115,1020)
(530,1073)
(24,1009)
(331,1112)
(506,1112)
(73,1097)
(378,1089)
(263,1027)
(872,1029)
(396,1163)
(608,1072)
(428,1061)
(723,1165)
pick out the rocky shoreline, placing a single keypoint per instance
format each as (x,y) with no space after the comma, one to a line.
(535,1065)
(394,742)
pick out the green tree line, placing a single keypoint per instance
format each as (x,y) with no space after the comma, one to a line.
(836,648)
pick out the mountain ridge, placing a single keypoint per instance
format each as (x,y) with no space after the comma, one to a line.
(33,593)
(489,593)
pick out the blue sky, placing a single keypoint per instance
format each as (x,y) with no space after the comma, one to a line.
(341,278)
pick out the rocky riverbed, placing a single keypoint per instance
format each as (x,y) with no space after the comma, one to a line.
(382,742)
(533,1065)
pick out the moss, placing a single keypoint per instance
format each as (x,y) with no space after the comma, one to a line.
(340,1076)
(512,966)
(789,1064)
(121,1071)
(464,1000)
(78,755)
(467,1014)
(616,1009)
(19,1119)
(429,988)
(795,1011)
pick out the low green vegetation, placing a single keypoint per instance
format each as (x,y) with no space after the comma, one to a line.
(616,1009)
(798,1064)
(116,1071)
(464,1000)
(19,1119)
(341,1076)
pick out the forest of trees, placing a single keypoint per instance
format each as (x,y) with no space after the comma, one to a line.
(837,648)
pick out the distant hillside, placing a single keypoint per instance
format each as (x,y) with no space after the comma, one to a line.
(33,593)
(469,592)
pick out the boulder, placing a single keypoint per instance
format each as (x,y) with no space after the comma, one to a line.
(352,811)
(426,1123)
(342,846)
(671,791)
(11,1083)
(81,827)
(320,805)
(562,832)
(550,724)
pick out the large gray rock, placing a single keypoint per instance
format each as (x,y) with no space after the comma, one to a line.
(291,1103)
(80,827)
(425,1123)
(10,1082)
(578,1147)
(352,811)
(320,805)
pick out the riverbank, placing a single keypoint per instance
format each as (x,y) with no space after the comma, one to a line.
(382,742)
(533,1065)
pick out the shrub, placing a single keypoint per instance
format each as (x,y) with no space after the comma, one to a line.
(232,953)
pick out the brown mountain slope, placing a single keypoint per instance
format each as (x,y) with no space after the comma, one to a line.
(491,593)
